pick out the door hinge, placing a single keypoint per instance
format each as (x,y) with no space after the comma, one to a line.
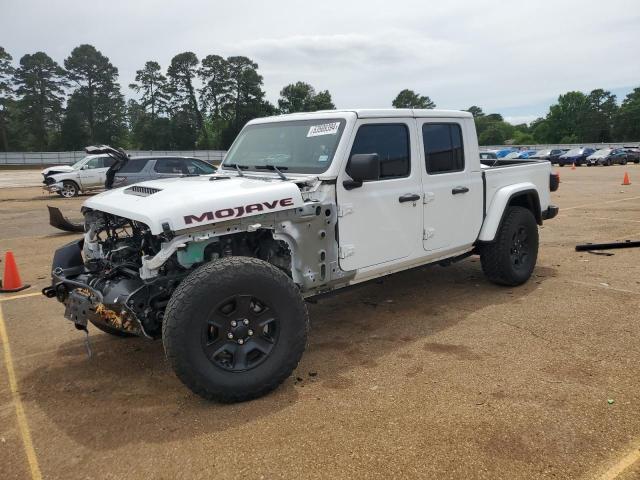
(346,251)
(428,233)
(345,209)
(428,197)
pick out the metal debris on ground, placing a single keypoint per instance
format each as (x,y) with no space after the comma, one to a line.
(585,247)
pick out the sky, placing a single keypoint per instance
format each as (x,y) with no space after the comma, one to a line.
(511,57)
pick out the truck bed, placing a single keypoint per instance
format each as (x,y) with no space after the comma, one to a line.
(501,173)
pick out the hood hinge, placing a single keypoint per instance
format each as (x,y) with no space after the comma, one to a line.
(346,251)
(345,209)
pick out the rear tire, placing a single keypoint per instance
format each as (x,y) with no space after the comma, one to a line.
(510,259)
(235,329)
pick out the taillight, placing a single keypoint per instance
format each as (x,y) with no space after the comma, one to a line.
(554,181)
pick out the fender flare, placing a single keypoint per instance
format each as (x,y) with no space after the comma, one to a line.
(505,197)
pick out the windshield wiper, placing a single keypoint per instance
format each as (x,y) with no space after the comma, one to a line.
(272,168)
(237,167)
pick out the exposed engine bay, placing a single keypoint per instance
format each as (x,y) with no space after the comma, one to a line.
(100,278)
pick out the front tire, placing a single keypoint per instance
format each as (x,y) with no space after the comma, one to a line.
(510,259)
(69,189)
(235,329)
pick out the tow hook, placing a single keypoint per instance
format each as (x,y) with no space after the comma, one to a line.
(49,292)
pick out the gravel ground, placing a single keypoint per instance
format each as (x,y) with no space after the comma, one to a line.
(432,373)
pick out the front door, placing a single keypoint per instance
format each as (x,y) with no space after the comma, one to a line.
(453,191)
(93,173)
(381,220)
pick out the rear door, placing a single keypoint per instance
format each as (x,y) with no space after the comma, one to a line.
(380,221)
(453,191)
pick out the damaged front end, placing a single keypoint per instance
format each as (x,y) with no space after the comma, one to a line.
(98,277)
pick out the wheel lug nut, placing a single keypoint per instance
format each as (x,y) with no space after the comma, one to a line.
(229,335)
(246,321)
(250,332)
(233,323)
(240,341)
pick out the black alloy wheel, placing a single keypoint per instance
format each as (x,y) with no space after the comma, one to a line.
(240,333)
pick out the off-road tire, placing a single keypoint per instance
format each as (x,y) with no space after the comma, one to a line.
(196,299)
(112,331)
(497,257)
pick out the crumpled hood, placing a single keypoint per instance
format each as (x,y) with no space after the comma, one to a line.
(57,169)
(194,201)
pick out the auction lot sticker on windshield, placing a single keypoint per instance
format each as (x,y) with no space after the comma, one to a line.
(324,129)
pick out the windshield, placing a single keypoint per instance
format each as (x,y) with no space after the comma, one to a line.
(602,153)
(79,163)
(301,146)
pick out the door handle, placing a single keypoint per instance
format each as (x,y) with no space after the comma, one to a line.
(409,197)
(458,190)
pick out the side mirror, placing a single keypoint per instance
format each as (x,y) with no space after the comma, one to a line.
(362,167)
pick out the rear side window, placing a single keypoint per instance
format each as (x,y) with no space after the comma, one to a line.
(107,161)
(443,150)
(133,166)
(390,142)
(95,162)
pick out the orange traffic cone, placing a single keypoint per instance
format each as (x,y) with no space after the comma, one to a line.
(11,281)
(625,180)
(573,166)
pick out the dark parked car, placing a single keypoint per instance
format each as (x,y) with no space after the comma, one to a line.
(542,154)
(140,169)
(555,154)
(633,154)
(607,156)
(577,156)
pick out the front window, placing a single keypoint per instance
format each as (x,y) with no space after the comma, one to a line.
(197,167)
(575,151)
(78,165)
(302,146)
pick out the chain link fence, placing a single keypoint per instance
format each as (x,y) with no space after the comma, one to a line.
(68,158)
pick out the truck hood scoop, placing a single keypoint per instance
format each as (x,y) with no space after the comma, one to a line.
(195,201)
(141,191)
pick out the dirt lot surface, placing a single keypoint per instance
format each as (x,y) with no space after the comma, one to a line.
(432,373)
(20,178)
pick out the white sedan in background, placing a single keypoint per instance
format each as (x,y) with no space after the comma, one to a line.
(84,175)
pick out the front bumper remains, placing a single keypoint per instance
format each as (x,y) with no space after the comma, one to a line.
(88,298)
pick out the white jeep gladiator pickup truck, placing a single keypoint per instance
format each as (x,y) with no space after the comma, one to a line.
(219,265)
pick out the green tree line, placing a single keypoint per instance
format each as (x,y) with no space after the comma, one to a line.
(192,104)
(203,103)
(575,118)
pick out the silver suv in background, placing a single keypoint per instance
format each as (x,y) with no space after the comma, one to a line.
(140,169)
(84,175)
